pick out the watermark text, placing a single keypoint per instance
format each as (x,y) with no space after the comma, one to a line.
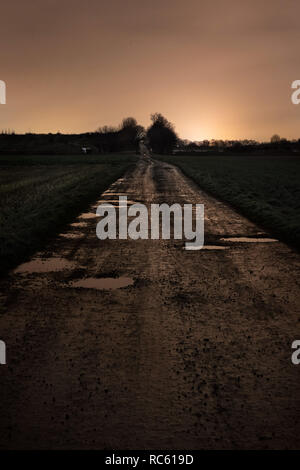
(2,92)
(2,353)
(296,94)
(188,222)
(296,353)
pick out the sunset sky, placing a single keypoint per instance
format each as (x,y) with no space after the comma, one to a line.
(216,69)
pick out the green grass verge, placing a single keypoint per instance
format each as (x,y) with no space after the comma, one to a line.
(39,195)
(264,188)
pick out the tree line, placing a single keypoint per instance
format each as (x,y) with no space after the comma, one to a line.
(160,137)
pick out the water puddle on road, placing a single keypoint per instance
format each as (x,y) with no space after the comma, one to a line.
(93,215)
(114,202)
(44,265)
(215,247)
(113,194)
(88,215)
(249,240)
(103,283)
(72,235)
(208,247)
(79,224)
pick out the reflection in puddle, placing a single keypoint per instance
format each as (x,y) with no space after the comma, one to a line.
(249,240)
(110,201)
(114,202)
(113,193)
(44,265)
(88,215)
(105,203)
(209,247)
(72,235)
(103,283)
(78,224)
(215,247)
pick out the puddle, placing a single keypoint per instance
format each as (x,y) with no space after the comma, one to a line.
(249,240)
(215,247)
(101,201)
(113,193)
(44,265)
(103,283)
(78,224)
(88,215)
(208,247)
(93,215)
(72,235)
(114,201)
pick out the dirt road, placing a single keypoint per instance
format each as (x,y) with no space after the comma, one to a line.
(194,354)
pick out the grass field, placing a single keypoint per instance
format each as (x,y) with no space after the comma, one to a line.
(266,189)
(41,194)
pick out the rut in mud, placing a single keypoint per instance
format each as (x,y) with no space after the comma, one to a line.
(191,352)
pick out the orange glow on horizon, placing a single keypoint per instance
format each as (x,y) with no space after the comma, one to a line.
(224,76)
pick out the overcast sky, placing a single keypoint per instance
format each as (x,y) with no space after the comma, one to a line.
(216,69)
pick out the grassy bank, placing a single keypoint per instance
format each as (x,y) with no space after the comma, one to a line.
(39,195)
(266,189)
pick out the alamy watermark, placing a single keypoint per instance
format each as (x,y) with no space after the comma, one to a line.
(2,92)
(188,222)
(296,354)
(296,94)
(2,353)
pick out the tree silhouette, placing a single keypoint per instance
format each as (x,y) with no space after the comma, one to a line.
(130,134)
(161,134)
(275,139)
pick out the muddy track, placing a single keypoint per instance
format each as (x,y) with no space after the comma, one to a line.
(196,354)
